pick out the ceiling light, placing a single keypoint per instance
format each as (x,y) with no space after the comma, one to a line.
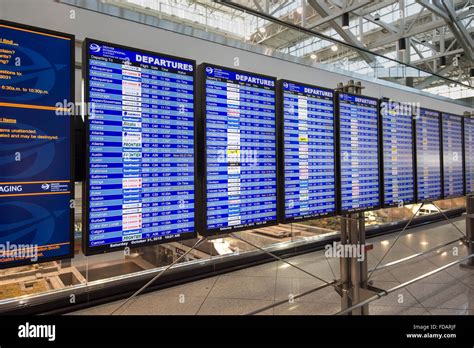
(442,61)
(262,30)
(313,56)
(299,10)
(385,242)
(345,20)
(334,48)
(402,44)
(376,16)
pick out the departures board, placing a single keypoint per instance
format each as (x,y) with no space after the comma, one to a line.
(141,135)
(428,155)
(397,148)
(309,151)
(469,154)
(358,153)
(240,181)
(36,137)
(453,168)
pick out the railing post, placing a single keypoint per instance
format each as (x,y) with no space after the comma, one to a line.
(469,229)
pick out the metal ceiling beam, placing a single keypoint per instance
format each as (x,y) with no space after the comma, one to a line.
(439,55)
(465,14)
(458,29)
(377,6)
(437,11)
(350,38)
(429,80)
(415,31)
(391,28)
(352,8)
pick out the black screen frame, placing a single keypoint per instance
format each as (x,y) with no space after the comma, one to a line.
(461,119)
(415,122)
(102,249)
(466,190)
(338,158)
(203,154)
(281,164)
(382,167)
(72,99)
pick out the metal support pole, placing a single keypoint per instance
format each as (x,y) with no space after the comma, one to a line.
(401,286)
(364,274)
(344,267)
(355,266)
(469,230)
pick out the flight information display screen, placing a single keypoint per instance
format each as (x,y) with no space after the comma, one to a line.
(428,157)
(309,153)
(453,169)
(469,153)
(241,164)
(359,153)
(141,147)
(36,179)
(398,159)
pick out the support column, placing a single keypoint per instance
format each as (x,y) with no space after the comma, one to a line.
(355,264)
(469,230)
(345,269)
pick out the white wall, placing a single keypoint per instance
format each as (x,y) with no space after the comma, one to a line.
(52,15)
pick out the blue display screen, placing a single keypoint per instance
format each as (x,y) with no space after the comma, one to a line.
(453,169)
(397,143)
(240,149)
(309,156)
(141,147)
(469,153)
(359,153)
(36,185)
(428,160)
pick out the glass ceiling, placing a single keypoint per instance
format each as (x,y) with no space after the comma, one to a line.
(270,31)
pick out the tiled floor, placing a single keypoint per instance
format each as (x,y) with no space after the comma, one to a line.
(450,292)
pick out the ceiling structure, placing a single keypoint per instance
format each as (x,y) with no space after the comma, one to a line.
(357,35)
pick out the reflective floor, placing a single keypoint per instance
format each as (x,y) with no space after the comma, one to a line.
(449,292)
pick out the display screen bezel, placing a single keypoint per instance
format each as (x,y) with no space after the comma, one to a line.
(87,249)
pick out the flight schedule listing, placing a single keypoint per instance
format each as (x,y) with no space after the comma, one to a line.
(309,154)
(428,160)
(469,153)
(359,157)
(453,169)
(141,147)
(240,149)
(397,147)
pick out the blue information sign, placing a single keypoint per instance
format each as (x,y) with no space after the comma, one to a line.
(428,157)
(309,151)
(397,147)
(241,185)
(359,153)
(36,179)
(141,147)
(453,168)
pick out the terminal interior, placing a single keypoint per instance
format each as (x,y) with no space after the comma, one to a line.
(281,268)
